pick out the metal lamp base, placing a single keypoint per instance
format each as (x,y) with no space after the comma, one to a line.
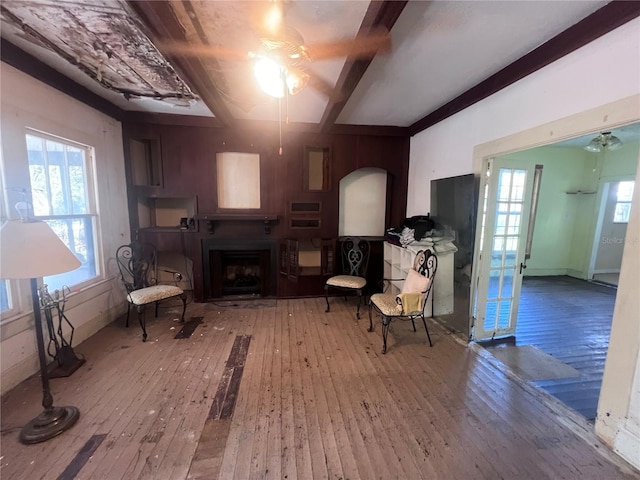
(48,424)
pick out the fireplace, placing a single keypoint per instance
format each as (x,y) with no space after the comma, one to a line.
(239,267)
(243,271)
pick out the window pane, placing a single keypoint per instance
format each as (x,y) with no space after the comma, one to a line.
(60,185)
(621,214)
(39,190)
(58,200)
(77,234)
(77,180)
(625,191)
(5,297)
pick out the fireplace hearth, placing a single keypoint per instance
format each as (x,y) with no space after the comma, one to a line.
(239,267)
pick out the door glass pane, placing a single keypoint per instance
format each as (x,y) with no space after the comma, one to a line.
(504,185)
(497,252)
(490,315)
(517,191)
(511,251)
(507,283)
(504,311)
(494,284)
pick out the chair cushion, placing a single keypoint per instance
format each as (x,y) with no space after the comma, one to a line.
(347,281)
(415,283)
(153,294)
(387,304)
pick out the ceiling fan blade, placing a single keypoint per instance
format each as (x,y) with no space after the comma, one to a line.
(364,46)
(201,50)
(320,84)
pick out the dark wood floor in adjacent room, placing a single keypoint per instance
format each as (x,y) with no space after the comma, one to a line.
(570,319)
(291,392)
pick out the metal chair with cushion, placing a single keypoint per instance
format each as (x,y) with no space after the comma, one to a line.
(411,301)
(137,263)
(355,259)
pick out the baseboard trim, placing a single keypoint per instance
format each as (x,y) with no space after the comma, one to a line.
(30,364)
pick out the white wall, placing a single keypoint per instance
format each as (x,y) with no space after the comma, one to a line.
(27,102)
(596,86)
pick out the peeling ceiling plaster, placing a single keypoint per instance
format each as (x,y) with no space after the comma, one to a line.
(105,41)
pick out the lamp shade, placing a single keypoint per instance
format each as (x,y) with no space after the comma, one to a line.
(32,250)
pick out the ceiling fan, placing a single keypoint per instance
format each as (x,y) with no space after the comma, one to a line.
(280,58)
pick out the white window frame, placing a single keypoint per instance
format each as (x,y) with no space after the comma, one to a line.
(91,194)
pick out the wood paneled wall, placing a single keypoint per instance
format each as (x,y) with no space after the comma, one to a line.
(189,169)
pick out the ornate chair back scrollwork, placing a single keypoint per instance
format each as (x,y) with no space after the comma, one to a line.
(411,302)
(355,260)
(137,263)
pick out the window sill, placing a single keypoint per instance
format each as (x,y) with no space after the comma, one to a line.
(19,322)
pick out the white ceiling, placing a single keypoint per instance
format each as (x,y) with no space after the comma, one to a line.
(443,48)
(440,50)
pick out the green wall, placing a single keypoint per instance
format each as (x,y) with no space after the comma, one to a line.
(566,222)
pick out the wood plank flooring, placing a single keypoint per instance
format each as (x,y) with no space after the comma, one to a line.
(570,319)
(316,399)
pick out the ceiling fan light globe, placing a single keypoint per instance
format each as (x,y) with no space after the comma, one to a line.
(593,146)
(268,73)
(614,143)
(296,80)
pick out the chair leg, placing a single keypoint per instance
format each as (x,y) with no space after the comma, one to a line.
(143,322)
(184,306)
(427,330)
(326,297)
(359,301)
(128,310)
(414,324)
(370,329)
(157,309)
(386,323)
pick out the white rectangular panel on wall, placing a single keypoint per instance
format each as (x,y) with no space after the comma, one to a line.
(238,180)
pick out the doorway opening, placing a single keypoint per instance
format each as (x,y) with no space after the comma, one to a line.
(565,304)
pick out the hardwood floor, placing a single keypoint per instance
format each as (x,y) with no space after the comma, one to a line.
(570,319)
(312,398)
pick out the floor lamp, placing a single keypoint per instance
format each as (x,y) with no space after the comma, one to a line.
(30,250)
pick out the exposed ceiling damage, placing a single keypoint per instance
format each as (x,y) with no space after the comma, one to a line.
(445,55)
(105,41)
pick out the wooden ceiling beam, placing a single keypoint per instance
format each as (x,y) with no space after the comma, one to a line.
(164,27)
(380,14)
(600,22)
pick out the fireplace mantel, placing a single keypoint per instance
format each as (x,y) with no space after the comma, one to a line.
(212,218)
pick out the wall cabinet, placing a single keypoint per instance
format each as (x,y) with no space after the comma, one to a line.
(305,265)
(170,213)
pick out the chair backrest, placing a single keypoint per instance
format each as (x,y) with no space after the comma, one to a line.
(355,256)
(137,264)
(426,264)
